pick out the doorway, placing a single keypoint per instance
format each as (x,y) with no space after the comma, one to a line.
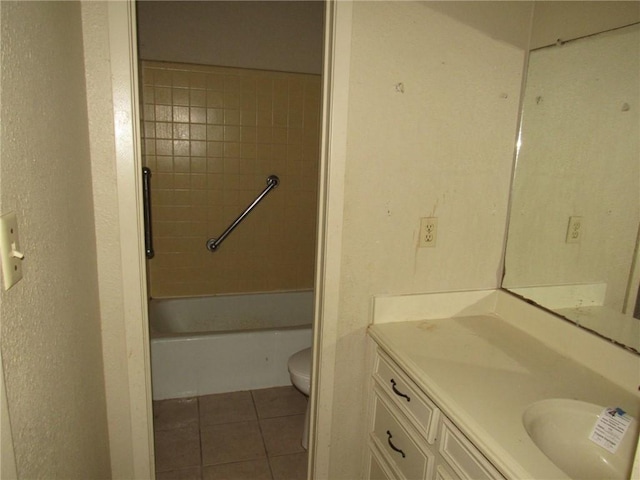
(133,411)
(207,144)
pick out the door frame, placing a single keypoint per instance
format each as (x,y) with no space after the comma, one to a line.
(335,96)
(124,65)
(126,120)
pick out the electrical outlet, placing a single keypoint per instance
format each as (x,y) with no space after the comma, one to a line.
(428,232)
(574,230)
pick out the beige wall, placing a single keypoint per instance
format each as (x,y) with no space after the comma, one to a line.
(212,136)
(442,148)
(50,334)
(273,35)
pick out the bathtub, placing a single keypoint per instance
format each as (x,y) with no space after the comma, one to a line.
(228,343)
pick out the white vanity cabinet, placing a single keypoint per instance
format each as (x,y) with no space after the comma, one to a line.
(411,438)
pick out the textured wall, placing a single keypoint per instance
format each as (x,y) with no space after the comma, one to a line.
(212,135)
(442,148)
(274,35)
(50,334)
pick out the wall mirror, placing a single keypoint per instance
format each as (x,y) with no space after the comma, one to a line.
(572,244)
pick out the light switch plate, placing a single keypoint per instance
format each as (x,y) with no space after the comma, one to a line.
(10,254)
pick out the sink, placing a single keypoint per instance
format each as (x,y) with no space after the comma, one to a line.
(560,428)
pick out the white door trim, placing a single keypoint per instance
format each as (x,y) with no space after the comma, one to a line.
(337,55)
(124,77)
(122,32)
(8,469)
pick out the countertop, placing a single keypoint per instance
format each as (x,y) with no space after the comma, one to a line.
(483,373)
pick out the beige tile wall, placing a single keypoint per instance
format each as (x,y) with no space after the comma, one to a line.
(211,136)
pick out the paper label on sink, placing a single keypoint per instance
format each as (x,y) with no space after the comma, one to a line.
(610,428)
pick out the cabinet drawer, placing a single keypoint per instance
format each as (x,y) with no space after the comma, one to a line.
(378,469)
(463,458)
(406,395)
(398,443)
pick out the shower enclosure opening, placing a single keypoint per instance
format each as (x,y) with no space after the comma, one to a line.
(230,94)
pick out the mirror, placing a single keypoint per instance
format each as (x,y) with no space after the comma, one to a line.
(572,243)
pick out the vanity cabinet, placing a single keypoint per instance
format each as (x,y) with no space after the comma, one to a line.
(411,438)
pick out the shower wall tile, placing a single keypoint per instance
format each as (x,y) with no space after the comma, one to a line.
(211,136)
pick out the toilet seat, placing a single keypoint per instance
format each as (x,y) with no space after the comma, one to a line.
(300,372)
(300,369)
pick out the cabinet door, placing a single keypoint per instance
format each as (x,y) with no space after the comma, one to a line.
(378,469)
(443,472)
(462,456)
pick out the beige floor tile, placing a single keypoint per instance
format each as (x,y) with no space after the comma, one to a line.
(226,408)
(190,473)
(177,448)
(175,413)
(289,467)
(283,435)
(252,470)
(231,442)
(279,402)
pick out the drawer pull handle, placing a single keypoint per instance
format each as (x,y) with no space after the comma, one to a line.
(393,447)
(398,392)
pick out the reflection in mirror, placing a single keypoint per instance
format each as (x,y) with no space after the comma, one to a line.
(575,209)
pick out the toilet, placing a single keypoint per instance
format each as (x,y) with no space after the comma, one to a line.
(300,372)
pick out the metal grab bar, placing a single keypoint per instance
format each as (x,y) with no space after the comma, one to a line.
(146,209)
(214,243)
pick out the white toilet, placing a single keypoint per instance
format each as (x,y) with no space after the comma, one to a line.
(300,373)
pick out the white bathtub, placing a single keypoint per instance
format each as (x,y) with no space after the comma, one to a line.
(229,343)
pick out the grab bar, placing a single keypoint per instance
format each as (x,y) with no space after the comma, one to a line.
(146,210)
(214,243)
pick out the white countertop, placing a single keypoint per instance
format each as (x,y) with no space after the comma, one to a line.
(484,373)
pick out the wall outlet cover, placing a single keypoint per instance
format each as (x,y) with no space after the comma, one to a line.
(574,230)
(428,232)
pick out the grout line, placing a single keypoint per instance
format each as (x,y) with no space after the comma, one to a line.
(200,437)
(264,444)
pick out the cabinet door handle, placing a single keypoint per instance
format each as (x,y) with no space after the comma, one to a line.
(393,447)
(398,392)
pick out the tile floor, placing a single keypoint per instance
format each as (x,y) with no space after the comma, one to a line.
(232,436)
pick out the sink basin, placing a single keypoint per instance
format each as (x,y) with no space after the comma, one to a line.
(561,429)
